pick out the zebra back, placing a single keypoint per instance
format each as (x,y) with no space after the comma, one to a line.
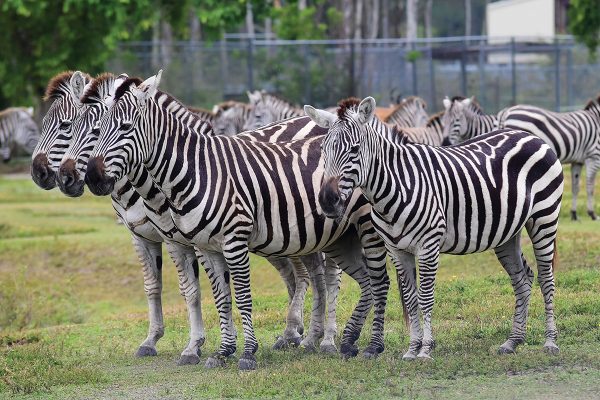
(432,134)
(269,108)
(411,112)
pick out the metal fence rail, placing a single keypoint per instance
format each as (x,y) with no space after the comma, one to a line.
(554,73)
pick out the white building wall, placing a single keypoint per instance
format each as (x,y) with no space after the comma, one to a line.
(525,18)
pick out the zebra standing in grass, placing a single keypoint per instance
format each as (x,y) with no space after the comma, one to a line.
(432,134)
(17,127)
(574,136)
(268,108)
(464,119)
(231,117)
(231,195)
(457,200)
(410,112)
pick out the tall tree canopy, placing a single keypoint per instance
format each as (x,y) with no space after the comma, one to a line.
(584,22)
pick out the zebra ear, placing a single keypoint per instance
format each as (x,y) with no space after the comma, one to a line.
(447,103)
(147,89)
(77,84)
(467,102)
(321,117)
(30,111)
(254,97)
(366,110)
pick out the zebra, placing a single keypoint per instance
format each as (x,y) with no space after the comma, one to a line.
(458,200)
(228,196)
(64,91)
(230,117)
(269,108)
(17,127)
(432,134)
(574,136)
(464,119)
(410,112)
(204,114)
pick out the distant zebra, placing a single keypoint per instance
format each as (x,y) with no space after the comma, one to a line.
(269,108)
(231,195)
(574,136)
(457,200)
(205,115)
(431,134)
(230,117)
(410,112)
(464,119)
(17,127)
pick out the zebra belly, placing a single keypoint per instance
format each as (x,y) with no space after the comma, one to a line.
(135,219)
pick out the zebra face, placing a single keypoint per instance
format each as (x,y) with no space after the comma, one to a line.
(455,120)
(225,122)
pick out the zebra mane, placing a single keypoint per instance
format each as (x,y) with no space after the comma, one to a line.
(398,134)
(226,105)
(435,118)
(121,90)
(474,106)
(172,105)
(99,88)
(59,85)
(405,103)
(345,105)
(277,97)
(197,110)
(593,103)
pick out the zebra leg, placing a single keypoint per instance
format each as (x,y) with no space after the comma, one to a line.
(428,266)
(218,275)
(521,278)
(591,168)
(333,277)
(575,175)
(407,279)
(543,238)
(299,281)
(236,254)
(375,253)
(150,255)
(313,264)
(186,263)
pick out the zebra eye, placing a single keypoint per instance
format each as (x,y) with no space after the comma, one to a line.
(64,125)
(354,148)
(125,126)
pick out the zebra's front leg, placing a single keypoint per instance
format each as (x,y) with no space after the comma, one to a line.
(150,255)
(407,281)
(235,252)
(428,266)
(591,168)
(313,264)
(333,278)
(218,274)
(294,270)
(575,176)
(186,263)
(521,278)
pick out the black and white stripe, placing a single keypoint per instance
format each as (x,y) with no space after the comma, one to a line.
(17,127)
(464,119)
(231,117)
(458,200)
(268,108)
(411,112)
(230,195)
(432,134)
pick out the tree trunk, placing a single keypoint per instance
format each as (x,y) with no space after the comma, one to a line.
(195,32)
(428,8)
(467,17)
(347,6)
(374,25)
(358,17)
(411,19)
(166,42)
(301,5)
(249,19)
(385,22)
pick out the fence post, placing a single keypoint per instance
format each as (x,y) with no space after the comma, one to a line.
(557,74)
(250,69)
(570,77)
(513,70)
(307,74)
(413,57)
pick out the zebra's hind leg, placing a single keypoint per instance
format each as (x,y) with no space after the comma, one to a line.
(218,275)
(575,176)
(521,278)
(150,255)
(295,276)
(313,263)
(591,168)
(333,277)
(407,278)
(186,263)
(429,257)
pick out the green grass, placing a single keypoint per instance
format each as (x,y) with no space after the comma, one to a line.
(73,311)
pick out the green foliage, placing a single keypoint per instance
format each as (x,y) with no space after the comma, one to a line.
(292,23)
(584,23)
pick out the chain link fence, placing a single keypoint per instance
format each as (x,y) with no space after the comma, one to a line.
(554,73)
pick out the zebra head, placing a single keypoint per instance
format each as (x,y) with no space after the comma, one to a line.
(121,142)
(342,151)
(230,118)
(96,100)
(65,91)
(260,111)
(455,119)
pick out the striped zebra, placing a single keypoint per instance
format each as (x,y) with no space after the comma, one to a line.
(204,114)
(17,127)
(64,91)
(432,134)
(457,200)
(230,117)
(231,195)
(410,112)
(269,108)
(574,136)
(464,119)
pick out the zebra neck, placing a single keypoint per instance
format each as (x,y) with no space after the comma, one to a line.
(479,124)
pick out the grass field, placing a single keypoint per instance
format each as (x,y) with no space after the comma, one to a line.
(73,311)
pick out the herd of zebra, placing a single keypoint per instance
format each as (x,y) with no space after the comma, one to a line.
(316,192)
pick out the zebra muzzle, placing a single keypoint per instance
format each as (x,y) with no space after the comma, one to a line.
(330,198)
(96,178)
(41,173)
(68,179)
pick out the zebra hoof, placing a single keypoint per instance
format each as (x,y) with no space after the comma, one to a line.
(283,343)
(372,351)
(328,348)
(592,215)
(409,356)
(505,350)
(146,351)
(349,351)
(551,349)
(309,347)
(424,356)
(247,362)
(188,359)
(216,361)
(573,215)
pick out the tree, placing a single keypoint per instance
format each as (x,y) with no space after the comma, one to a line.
(411,19)
(584,23)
